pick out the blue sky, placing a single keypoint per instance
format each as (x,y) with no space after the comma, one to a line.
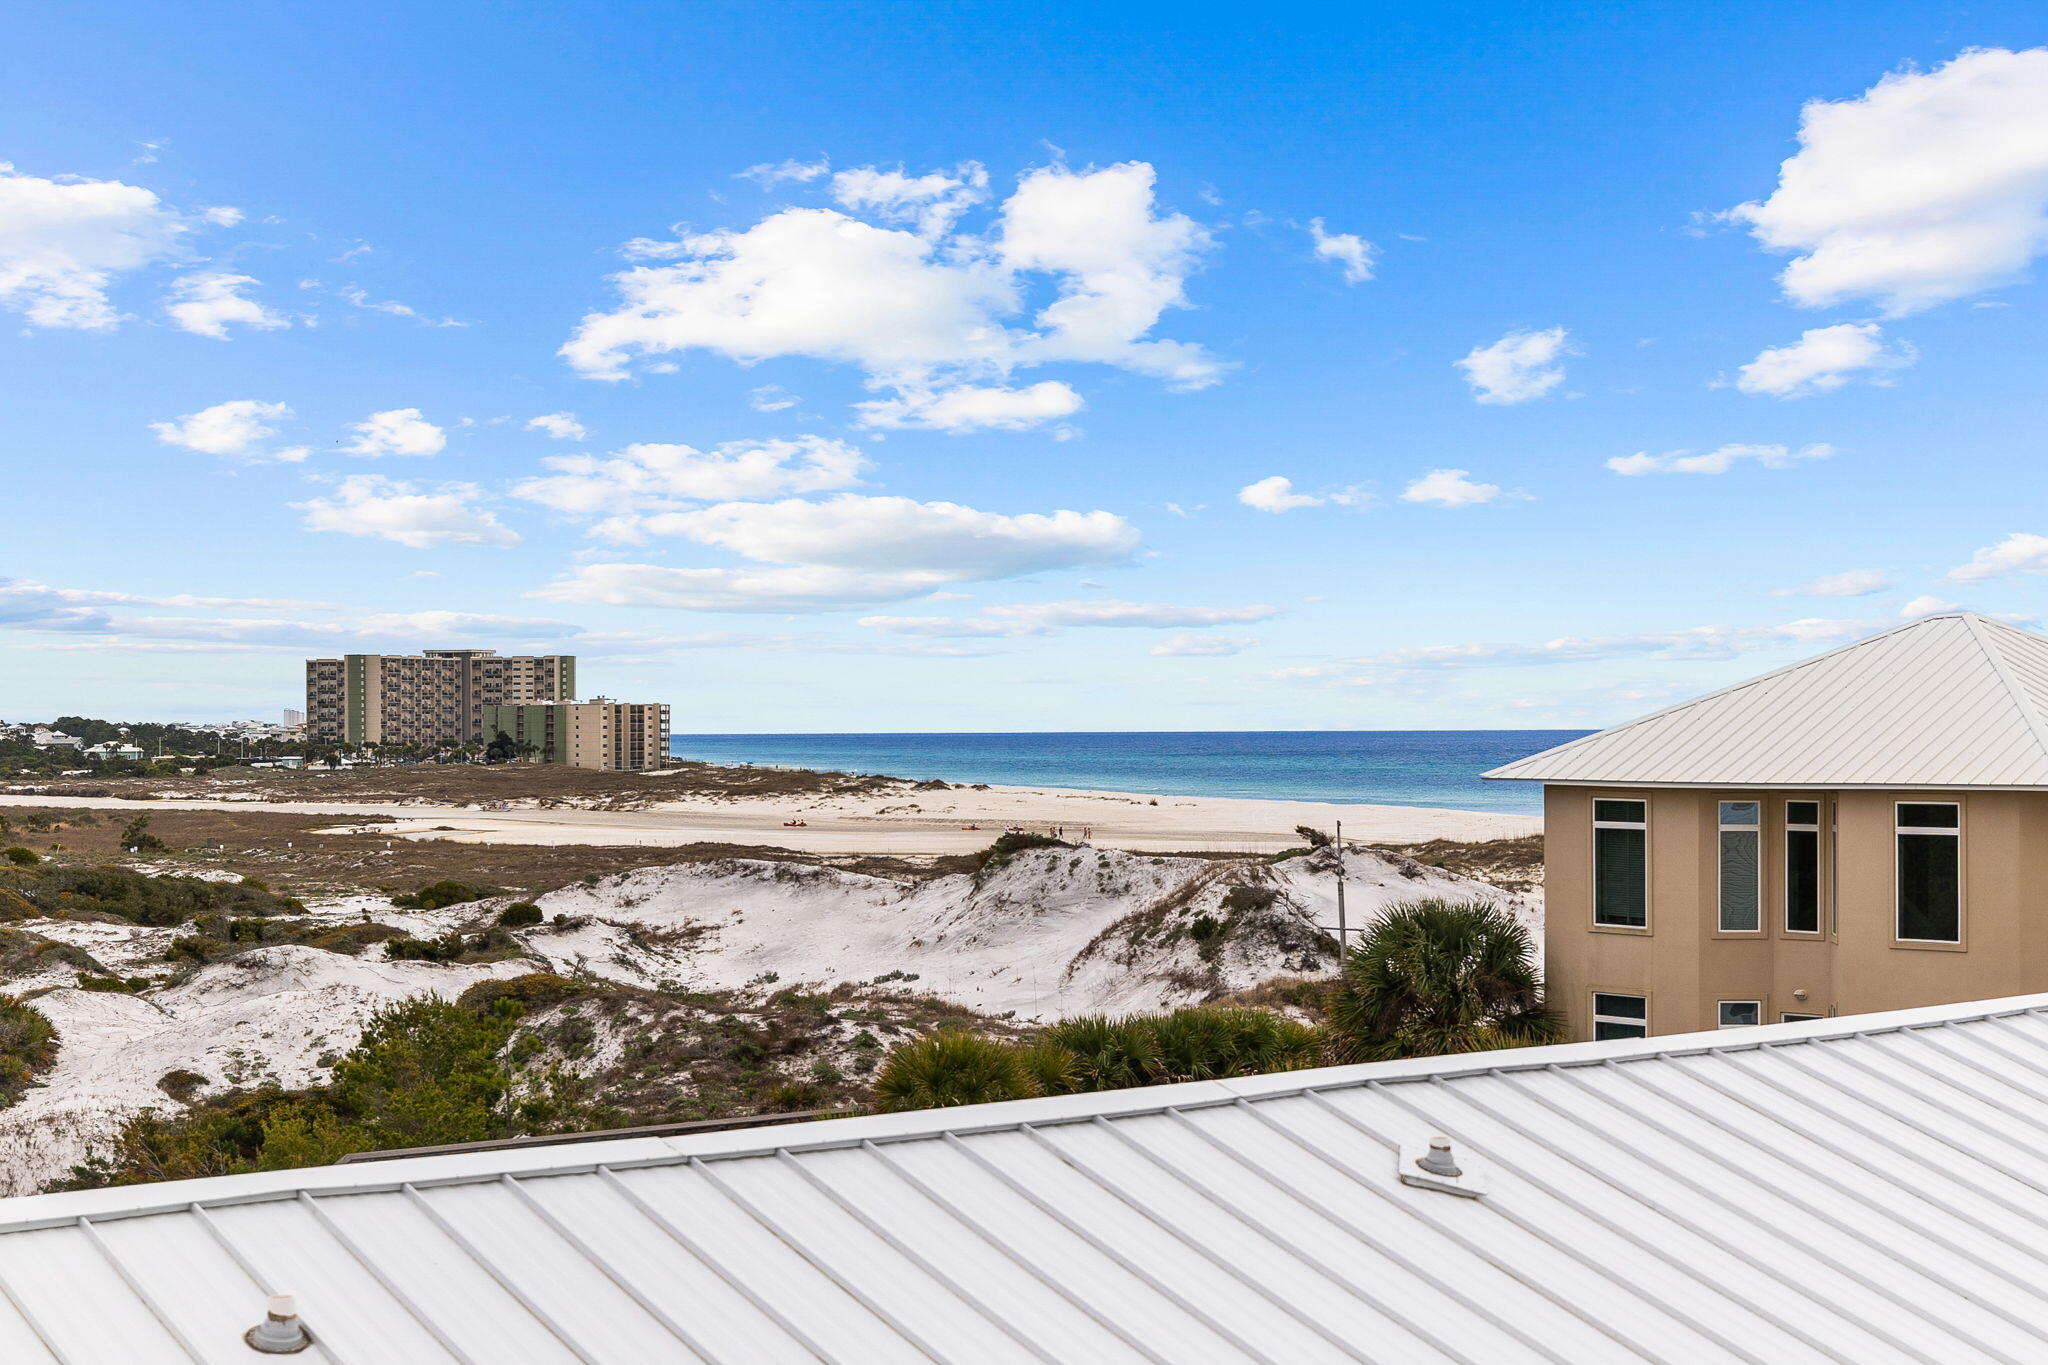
(931,367)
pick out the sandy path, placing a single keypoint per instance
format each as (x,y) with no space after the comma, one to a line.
(903,822)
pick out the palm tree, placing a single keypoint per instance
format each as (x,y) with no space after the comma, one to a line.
(1206,1042)
(1109,1054)
(948,1067)
(1436,977)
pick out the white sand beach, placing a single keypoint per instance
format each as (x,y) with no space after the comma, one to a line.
(950,820)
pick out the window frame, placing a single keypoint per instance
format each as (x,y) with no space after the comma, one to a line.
(1818,831)
(1642,826)
(1721,1013)
(1788,1017)
(1721,827)
(1619,1020)
(1899,831)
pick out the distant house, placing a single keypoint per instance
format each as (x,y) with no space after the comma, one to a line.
(1867,830)
(46,738)
(116,751)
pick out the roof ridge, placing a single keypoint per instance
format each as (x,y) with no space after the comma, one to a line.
(2021,698)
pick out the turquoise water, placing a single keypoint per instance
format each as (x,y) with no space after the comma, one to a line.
(1385,767)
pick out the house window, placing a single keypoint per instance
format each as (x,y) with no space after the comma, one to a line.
(1802,867)
(1741,1013)
(1621,857)
(1930,883)
(1741,868)
(1620,1016)
(1797,1018)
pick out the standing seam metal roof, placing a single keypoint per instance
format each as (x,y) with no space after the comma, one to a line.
(1857,1191)
(1947,701)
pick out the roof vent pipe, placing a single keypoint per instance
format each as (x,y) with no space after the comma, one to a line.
(280,1333)
(1438,1160)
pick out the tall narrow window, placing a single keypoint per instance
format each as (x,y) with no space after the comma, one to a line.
(1621,863)
(1741,868)
(1930,838)
(1620,1016)
(1802,867)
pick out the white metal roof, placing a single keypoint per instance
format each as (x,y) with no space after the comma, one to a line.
(1859,1191)
(1946,701)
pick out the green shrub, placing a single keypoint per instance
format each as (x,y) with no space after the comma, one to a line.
(1435,977)
(1109,1054)
(520,915)
(28,1045)
(442,894)
(21,857)
(159,902)
(950,1067)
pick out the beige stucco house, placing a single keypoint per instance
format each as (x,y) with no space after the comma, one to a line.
(1867,830)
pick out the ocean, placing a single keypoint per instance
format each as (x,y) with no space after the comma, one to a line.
(1379,767)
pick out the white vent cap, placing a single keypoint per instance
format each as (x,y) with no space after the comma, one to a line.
(280,1333)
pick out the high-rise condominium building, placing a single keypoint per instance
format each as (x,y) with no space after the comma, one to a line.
(596,733)
(599,733)
(433,698)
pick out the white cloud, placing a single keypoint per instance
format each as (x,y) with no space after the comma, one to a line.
(206,303)
(923,312)
(562,426)
(1823,360)
(647,478)
(771,398)
(1042,618)
(1275,494)
(1927,605)
(360,298)
(1518,367)
(223,215)
(1205,646)
(232,428)
(890,535)
(931,202)
(1350,253)
(969,407)
(2020,552)
(374,507)
(1849,583)
(63,242)
(1929,186)
(798,589)
(769,174)
(1450,488)
(1717,461)
(400,431)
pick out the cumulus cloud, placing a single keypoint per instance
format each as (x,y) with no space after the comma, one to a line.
(1450,488)
(646,478)
(2020,552)
(1348,252)
(970,407)
(234,428)
(400,431)
(64,242)
(794,589)
(1926,605)
(374,507)
(1717,461)
(1849,583)
(1518,367)
(1929,186)
(1823,360)
(1205,646)
(930,202)
(562,426)
(923,308)
(206,303)
(887,534)
(1276,494)
(1042,618)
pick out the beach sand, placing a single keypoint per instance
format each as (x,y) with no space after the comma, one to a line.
(916,821)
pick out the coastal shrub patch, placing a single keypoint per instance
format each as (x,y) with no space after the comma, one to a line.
(121,985)
(442,894)
(159,902)
(1435,977)
(520,915)
(135,837)
(1005,849)
(180,1084)
(28,1045)
(454,946)
(951,1067)
(21,857)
